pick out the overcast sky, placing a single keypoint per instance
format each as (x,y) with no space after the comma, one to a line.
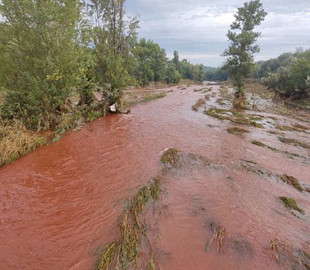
(197,28)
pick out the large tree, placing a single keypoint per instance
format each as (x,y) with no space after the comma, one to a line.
(240,54)
(41,59)
(150,62)
(114,37)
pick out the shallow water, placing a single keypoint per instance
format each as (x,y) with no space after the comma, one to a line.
(62,202)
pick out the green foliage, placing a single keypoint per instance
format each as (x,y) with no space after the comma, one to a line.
(188,70)
(240,59)
(114,38)
(42,59)
(172,75)
(216,74)
(150,62)
(292,77)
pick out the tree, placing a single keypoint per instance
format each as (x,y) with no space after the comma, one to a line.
(114,38)
(172,75)
(42,59)
(176,60)
(150,62)
(198,73)
(240,54)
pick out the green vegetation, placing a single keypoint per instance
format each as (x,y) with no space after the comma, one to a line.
(146,99)
(288,74)
(258,143)
(123,252)
(234,117)
(240,60)
(172,75)
(292,181)
(291,128)
(170,156)
(187,70)
(237,130)
(43,64)
(294,142)
(64,63)
(151,62)
(216,74)
(17,141)
(291,204)
(198,104)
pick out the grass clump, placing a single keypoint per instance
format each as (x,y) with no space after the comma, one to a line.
(290,203)
(170,156)
(296,127)
(219,234)
(294,142)
(123,253)
(199,103)
(207,90)
(16,141)
(130,103)
(153,97)
(237,130)
(197,90)
(292,181)
(207,97)
(220,101)
(217,113)
(258,143)
(234,117)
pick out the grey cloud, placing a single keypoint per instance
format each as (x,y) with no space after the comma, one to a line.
(197,28)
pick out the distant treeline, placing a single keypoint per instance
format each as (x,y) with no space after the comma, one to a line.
(289,74)
(55,54)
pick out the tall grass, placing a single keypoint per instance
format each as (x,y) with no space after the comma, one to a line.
(17,141)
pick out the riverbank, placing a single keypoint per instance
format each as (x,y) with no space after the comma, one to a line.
(17,141)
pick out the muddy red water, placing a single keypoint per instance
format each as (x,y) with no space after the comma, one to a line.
(63,202)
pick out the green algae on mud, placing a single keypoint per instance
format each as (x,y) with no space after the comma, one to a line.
(290,203)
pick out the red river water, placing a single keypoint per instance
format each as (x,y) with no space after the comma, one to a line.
(63,202)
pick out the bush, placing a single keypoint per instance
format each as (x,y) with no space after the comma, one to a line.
(172,75)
